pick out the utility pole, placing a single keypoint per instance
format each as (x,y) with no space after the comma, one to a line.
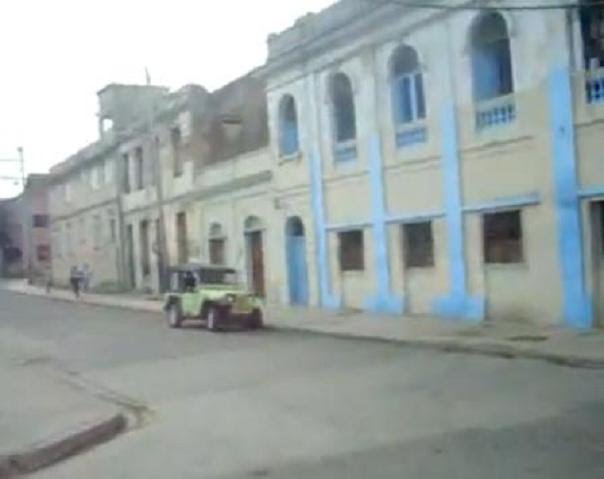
(163,260)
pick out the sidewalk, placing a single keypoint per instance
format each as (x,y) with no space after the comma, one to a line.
(498,338)
(44,418)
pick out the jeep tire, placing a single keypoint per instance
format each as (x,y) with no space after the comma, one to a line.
(212,318)
(174,315)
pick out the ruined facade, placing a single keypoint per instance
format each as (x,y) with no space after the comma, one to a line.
(385,158)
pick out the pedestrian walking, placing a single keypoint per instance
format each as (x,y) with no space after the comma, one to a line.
(75,279)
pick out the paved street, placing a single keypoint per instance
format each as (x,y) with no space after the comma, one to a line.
(292,405)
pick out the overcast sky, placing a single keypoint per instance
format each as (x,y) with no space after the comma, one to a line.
(56,55)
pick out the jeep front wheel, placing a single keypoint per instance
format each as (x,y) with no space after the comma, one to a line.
(174,316)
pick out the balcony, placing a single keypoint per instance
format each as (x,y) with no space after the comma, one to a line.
(594,86)
(495,113)
(411,134)
(345,151)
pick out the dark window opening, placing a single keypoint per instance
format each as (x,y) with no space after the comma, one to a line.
(181,237)
(344,116)
(145,250)
(217,248)
(592,31)
(40,221)
(139,168)
(418,245)
(351,251)
(502,238)
(288,126)
(176,142)
(43,252)
(600,209)
(126,172)
(491,58)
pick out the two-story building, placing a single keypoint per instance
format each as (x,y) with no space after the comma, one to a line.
(443,160)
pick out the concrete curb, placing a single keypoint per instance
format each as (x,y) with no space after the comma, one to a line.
(51,451)
(485,348)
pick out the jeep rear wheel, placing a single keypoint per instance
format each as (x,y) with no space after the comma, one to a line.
(255,320)
(174,316)
(212,318)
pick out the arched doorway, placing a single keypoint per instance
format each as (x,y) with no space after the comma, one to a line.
(297,275)
(255,254)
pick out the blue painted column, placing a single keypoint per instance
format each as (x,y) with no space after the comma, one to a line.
(458,303)
(578,309)
(383,300)
(328,300)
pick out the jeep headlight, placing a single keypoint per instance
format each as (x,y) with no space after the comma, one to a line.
(230,298)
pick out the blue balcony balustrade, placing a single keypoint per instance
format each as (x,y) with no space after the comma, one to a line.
(594,86)
(409,135)
(345,151)
(495,113)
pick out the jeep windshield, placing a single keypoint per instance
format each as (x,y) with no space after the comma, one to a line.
(218,276)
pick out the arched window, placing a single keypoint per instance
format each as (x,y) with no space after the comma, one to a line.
(288,126)
(252,223)
(491,57)
(408,100)
(342,101)
(216,231)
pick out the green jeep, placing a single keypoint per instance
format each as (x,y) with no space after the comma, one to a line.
(213,295)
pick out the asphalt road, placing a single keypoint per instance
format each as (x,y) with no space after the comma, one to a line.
(290,405)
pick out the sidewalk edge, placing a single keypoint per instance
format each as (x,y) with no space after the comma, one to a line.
(46,454)
(450,345)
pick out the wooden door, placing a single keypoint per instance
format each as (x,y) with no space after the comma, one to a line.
(256,262)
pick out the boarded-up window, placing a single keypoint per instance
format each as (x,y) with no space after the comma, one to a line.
(418,245)
(502,237)
(351,250)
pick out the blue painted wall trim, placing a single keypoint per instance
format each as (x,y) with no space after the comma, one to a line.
(578,308)
(591,192)
(504,203)
(383,300)
(457,304)
(327,299)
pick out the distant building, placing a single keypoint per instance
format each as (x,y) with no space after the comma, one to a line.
(25,232)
